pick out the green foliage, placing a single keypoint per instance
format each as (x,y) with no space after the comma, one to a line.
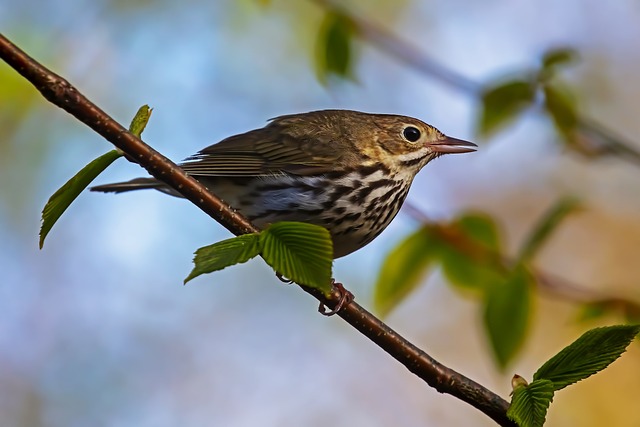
(334,51)
(547,225)
(403,268)
(502,103)
(592,352)
(471,251)
(236,250)
(555,58)
(530,403)
(507,314)
(562,109)
(299,251)
(62,199)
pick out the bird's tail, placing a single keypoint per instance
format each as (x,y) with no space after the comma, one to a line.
(134,184)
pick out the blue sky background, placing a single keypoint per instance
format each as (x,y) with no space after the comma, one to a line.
(96,329)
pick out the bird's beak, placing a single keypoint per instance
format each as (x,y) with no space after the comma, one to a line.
(452,145)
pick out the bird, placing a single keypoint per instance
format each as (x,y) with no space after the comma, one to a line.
(347,171)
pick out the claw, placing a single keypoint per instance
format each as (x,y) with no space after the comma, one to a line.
(345,298)
(284,279)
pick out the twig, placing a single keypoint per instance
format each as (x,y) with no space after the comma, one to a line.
(61,93)
(592,138)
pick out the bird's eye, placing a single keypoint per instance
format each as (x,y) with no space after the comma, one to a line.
(411,133)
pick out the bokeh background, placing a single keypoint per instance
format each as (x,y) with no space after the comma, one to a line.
(97,330)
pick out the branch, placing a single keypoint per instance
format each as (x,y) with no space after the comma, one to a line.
(61,93)
(592,138)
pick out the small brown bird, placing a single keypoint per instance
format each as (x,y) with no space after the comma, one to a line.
(344,170)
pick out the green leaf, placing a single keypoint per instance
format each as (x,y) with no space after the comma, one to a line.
(470,252)
(562,109)
(592,352)
(140,120)
(547,225)
(506,315)
(501,104)
(61,199)
(299,251)
(404,268)
(558,57)
(530,403)
(334,47)
(224,254)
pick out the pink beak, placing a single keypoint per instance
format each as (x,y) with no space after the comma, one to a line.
(452,146)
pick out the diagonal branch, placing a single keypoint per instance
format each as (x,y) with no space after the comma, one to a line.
(61,93)
(593,138)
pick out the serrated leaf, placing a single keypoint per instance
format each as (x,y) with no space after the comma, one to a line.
(299,251)
(470,252)
(592,352)
(225,253)
(562,109)
(530,403)
(558,57)
(334,47)
(506,315)
(501,104)
(404,268)
(61,199)
(547,225)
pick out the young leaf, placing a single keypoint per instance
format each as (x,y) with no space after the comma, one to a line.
(592,352)
(403,269)
(334,47)
(506,314)
(558,57)
(563,110)
(300,252)
(470,252)
(61,199)
(530,403)
(501,104)
(547,224)
(224,254)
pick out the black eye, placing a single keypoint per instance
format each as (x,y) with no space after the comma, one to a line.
(411,134)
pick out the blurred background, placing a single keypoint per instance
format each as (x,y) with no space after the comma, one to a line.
(97,330)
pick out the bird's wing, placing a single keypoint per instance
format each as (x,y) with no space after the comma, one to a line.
(267,151)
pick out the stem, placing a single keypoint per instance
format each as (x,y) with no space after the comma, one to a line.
(61,93)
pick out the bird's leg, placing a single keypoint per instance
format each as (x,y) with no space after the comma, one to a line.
(344,298)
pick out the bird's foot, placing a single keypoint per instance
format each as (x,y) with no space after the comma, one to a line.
(344,299)
(284,279)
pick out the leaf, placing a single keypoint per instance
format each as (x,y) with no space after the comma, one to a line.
(558,57)
(530,403)
(403,269)
(563,110)
(140,120)
(506,315)
(592,352)
(61,199)
(299,251)
(501,104)
(236,250)
(470,252)
(334,47)
(547,225)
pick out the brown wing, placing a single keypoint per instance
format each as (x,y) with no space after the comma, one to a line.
(294,146)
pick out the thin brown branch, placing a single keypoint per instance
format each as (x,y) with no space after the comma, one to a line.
(61,93)
(592,139)
(546,281)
